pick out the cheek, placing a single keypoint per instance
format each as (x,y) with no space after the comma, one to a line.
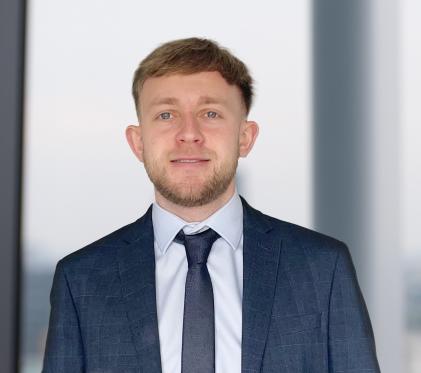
(228,150)
(226,138)
(232,141)
(153,145)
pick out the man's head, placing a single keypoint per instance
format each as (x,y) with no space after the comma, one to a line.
(190,56)
(192,99)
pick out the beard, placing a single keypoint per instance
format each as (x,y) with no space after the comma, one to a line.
(193,191)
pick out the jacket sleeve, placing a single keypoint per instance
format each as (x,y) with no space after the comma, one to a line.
(64,348)
(351,340)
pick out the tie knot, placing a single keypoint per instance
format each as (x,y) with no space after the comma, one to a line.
(198,245)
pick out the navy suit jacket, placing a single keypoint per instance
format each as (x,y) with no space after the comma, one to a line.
(302,307)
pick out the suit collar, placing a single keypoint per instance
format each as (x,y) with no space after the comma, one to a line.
(254,220)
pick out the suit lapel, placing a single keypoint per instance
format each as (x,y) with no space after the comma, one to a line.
(137,273)
(261,253)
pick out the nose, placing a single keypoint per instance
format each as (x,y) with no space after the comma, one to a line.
(190,131)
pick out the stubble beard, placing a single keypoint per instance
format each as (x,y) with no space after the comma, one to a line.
(190,193)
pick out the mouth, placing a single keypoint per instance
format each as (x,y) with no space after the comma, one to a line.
(188,163)
(189,160)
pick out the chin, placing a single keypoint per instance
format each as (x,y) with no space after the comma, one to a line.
(186,198)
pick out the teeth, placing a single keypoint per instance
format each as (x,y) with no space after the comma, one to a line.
(188,160)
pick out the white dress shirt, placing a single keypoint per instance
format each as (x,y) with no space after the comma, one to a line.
(225,265)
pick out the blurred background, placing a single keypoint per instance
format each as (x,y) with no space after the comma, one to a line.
(338,86)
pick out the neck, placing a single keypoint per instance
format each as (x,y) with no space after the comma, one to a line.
(197,213)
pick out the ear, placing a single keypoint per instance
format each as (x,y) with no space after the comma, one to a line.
(248,134)
(135,140)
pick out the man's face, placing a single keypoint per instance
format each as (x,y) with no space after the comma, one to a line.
(192,131)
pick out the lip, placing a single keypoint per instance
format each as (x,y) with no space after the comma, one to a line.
(190,159)
(199,163)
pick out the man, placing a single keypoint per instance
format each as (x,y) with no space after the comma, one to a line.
(203,282)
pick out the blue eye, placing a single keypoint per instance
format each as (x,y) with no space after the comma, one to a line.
(211,114)
(165,116)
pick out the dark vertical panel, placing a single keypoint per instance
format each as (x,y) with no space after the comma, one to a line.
(341,122)
(12,35)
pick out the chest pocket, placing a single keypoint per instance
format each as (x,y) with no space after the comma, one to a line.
(295,329)
(296,343)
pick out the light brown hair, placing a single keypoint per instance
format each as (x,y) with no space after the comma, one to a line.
(194,55)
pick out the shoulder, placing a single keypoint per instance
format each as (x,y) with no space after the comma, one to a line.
(301,236)
(307,251)
(297,239)
(305,237)
(102,252)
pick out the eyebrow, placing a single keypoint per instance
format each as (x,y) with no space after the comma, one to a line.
(203,100)
(164,101)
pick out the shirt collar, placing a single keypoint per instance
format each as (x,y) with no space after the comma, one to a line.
(227,222)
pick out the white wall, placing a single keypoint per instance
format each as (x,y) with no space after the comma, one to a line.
(81,181)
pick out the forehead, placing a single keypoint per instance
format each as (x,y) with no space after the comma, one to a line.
(203,87)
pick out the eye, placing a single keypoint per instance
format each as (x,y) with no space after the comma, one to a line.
(211,114)
(165,115)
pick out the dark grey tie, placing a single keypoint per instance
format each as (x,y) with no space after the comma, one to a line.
(198,351)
